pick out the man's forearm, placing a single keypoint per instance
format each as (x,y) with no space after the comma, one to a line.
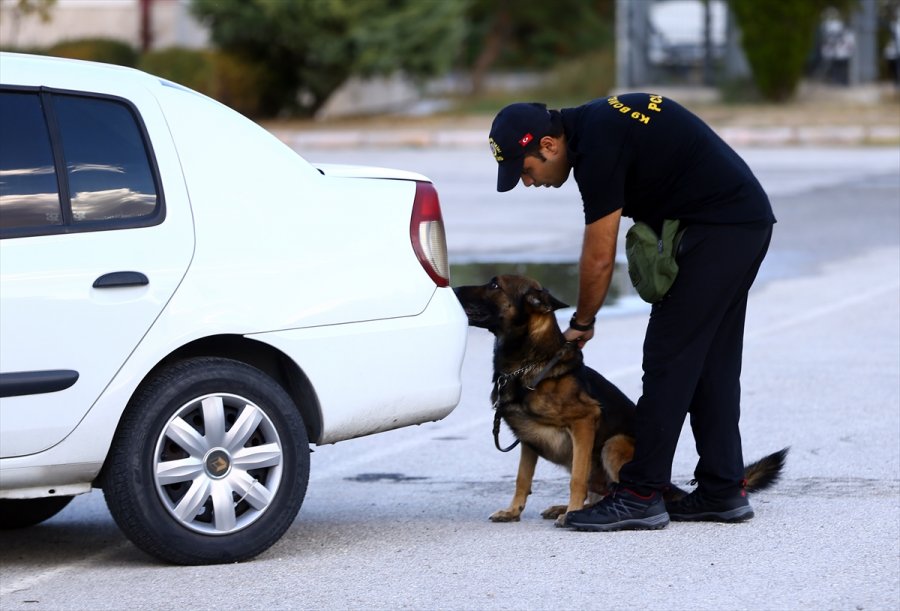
(594,277)
(595,269)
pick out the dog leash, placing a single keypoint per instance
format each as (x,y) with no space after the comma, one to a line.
(497,435)
(504,378)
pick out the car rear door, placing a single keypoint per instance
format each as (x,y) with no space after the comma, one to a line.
(95,236)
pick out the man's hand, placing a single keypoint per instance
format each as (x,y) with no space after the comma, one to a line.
(579,337)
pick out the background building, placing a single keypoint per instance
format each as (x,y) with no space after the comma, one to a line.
(144,24)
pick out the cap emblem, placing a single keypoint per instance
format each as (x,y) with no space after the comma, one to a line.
(495,149)
(524,140)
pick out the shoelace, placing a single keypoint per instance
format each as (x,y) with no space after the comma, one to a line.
(620,503)
(695,499)
(691,501)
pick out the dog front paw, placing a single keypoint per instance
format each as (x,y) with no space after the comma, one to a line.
(562,521)
(551,513)
(505,515)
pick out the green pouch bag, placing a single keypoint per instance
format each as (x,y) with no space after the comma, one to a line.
(651,259)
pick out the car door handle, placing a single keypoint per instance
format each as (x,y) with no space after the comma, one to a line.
(120,279)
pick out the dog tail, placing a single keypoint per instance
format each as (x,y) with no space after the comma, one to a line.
(765,472)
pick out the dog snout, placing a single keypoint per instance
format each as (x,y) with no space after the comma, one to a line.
(466,294)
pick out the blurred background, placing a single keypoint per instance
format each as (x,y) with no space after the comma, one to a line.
(322,61)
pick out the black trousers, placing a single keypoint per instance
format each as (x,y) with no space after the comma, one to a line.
(692,360)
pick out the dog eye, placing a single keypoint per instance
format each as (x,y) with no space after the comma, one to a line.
(493,284)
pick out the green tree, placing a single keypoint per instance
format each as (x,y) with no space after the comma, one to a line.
(534,34)
(777,37)
(310,47)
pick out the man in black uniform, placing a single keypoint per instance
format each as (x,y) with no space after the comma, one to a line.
(646,157)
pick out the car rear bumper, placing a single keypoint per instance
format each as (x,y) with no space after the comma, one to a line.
(380,375)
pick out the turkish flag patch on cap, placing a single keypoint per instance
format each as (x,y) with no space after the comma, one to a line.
(526,139)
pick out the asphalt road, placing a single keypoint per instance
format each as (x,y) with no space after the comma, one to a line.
(399,520)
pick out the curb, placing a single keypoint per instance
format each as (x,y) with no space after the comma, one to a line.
(850,135)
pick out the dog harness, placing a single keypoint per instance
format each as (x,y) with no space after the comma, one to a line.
(504,378)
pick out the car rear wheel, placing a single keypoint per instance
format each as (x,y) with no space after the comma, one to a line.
(22,513)
(210,463)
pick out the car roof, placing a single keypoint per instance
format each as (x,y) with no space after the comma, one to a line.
(35,70)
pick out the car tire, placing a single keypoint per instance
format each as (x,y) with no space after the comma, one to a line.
(209,465)
(22,513)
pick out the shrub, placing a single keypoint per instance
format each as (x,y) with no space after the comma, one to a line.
(777,36)
(188,67)
(233,81)
(104,50)
(240,84)
(582,78)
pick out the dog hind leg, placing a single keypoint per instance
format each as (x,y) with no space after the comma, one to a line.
(618,450)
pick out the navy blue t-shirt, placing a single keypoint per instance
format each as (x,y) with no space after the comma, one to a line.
(656,160)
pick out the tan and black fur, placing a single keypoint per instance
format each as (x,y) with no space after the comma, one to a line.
(560,409)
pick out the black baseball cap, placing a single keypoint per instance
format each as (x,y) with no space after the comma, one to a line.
(514,127)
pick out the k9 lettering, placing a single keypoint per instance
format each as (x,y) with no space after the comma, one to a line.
(654,105)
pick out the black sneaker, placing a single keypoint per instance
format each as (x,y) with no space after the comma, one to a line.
(622,509)
(697,507)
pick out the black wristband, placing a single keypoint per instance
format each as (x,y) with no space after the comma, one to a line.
(579,327)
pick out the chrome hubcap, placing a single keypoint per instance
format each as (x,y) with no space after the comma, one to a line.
(218,464)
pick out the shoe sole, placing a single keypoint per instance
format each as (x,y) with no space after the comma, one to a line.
(652,523)
(740,514)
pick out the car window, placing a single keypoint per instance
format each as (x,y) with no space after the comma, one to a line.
(73,162)
(29,196)
(107,165)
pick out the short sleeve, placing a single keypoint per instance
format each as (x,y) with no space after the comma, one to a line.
(601,181)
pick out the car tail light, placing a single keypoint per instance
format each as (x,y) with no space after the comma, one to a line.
(426,230)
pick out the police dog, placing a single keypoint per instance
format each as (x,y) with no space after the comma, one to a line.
(557,407)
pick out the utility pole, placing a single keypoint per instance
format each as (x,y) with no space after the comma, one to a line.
(708,76)
(632,33)
(146,27)
(864,61)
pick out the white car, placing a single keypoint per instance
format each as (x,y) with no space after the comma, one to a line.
(187,304)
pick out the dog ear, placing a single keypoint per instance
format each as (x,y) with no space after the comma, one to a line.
(543,301)
(555,303)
